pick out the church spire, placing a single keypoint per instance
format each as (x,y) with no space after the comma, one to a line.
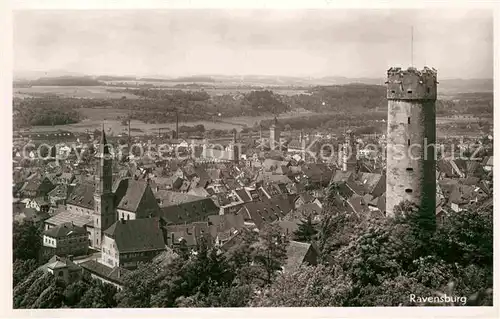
(103,147)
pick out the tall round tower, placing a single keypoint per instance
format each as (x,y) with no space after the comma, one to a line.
(411,136)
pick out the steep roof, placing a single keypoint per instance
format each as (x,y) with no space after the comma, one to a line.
(227,221)
(129,194)
(462,194)
(341,176)
(112,274)
(296,253)
(266,211)
(82,195)
(65,229)
(61,190)
(169,198)
(309,208)
(243,195)
(197,210)
(56,262)
(358,205)
(370,180)
(136,235)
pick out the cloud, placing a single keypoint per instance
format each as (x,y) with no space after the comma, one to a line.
(316,42)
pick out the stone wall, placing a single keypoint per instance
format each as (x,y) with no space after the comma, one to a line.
(411,134)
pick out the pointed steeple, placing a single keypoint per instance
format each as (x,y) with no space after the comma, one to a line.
(275,122)
(103,146)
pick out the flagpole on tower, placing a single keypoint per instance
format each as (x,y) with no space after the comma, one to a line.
(412,46)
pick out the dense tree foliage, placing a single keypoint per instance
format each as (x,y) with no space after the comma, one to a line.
(46,111)
(42,290)
(26,239)
(308,286)
(62,81)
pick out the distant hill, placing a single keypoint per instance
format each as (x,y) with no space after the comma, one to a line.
(115,78)
(453,86)
(33,75)
(192,79)
(61,81)
(64,78)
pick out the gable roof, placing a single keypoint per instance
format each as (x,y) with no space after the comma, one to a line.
(227,221)
(370,180)
(65,229)
(342,176)
(357,204)
(169,198)
(309,208)
(136,235)
(82,195)
(129,194)
(198,210)
(112,274)
(68,217)
(488,161)
(266,211)
(57,262)
(463,194)
(296,253)
(243,195)
(61,190)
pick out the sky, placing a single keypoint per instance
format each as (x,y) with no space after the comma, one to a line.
(321,42)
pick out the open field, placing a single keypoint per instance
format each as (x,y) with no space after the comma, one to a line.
(95,117)
(105,92)
(87,92)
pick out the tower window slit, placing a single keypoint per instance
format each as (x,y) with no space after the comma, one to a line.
(410,91)
(409,169)
(409,190)
(408,120)
(408,142)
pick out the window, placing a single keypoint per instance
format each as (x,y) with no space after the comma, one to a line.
(428,90)
(409,169)
(128,217)
(393,91)
(409,191)
(60,274)
(408,120)
(410,91)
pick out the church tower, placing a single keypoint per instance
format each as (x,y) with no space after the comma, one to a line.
(349,153)
(233,148)
(104,213)
(275,135)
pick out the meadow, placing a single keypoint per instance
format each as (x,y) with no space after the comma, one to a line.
(85,92)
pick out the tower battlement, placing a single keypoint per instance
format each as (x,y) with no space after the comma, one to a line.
(411,84)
